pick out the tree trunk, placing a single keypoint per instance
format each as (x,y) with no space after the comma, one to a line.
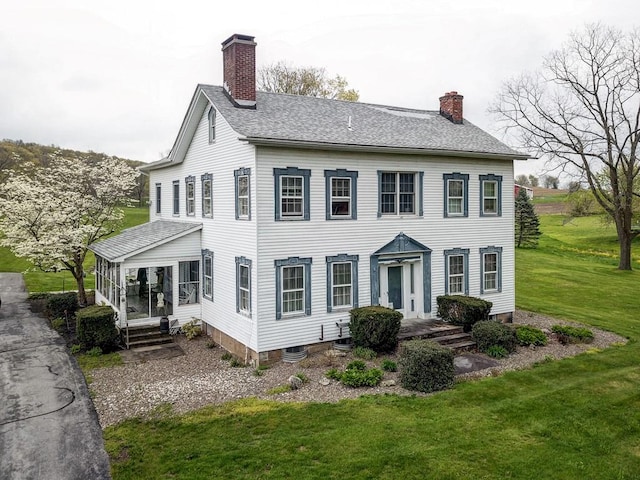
(625,237)
(82,295)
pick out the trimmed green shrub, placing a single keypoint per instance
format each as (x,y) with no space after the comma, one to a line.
(389,365)
(365,353)
(488,333)
(462,310)
(58,303)
(426,366)
(528,335)
(496,351)
(375,327)
(568,334)
(95,327)
(357,365)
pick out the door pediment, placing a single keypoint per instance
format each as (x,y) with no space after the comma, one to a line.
(402,244)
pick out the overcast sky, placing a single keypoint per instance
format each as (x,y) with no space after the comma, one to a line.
(117,76)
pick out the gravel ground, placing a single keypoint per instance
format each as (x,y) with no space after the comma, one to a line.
(201,377)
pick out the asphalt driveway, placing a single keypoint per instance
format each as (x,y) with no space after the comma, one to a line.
(48,425)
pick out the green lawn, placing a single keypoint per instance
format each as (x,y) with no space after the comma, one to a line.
(577,418)
(38,281)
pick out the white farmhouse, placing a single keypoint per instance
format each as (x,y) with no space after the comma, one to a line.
(276,214)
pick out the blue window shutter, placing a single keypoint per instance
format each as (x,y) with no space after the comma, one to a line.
(276,193)
(375,280)
(379,204)
(237,284)
(278,290)
(235,192)
(327,194)
(354,282)
(426,281)
(420,194)
(329,286)
(307,289)
(307,196)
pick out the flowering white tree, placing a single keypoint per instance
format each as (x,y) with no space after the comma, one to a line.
(52,216)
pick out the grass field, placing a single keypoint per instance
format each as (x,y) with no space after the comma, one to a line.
(38,281)
(577,418)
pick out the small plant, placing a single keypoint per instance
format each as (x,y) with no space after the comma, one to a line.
(58,324)
(568,334)
(528,335)
(364,353)
(496,351)
(389,365)
(258,372)
(302,377)
(192,329)
(75,349)
(226,356)
(355,378)
(279,389)
(333,374)
(236,363)
(94,352)
(210,344)
(357,365)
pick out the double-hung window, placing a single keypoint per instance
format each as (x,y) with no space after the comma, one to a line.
(207,195)
(293,287)
(190,187)
(188,282)
(243,285)
(340,191)
(158,198)
(176,197)
(207,274)
(491,269)
(490,195)
(457,268)
(456,195)
(342,282)
(400,193)
(243,193)
(292,193)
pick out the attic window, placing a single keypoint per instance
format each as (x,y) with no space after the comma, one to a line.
(212,125)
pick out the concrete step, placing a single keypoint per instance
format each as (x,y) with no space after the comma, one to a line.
(462,346)
(448,339)
(149,342)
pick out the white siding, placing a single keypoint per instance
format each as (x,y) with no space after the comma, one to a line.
(318,237)
(225,236)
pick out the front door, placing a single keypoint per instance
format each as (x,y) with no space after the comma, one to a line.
(394,277)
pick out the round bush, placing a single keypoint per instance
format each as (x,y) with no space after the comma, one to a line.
(375,328)
(426,366)
(488,333)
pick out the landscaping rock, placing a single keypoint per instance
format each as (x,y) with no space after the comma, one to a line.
(388,383)
(335,353)
(324,381)
(295,382)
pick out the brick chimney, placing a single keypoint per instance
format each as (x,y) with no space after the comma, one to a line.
(451,106)
(239,62)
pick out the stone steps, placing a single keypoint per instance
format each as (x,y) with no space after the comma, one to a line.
(145,336)
(450,336)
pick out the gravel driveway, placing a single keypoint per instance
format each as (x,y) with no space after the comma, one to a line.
(201,377)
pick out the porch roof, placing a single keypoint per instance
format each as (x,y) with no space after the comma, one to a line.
(135,240)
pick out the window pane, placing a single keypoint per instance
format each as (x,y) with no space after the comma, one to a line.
(342,273)
(490,281)
(340,187)
(342,296)
(489,189)
(456,265)
(490,262)
(389,182)
(243,204)
(455,188)
(388,203)
(455,285)
(455,205)
(292,278)
(244,277)
(490,205)
(243,186)
(407,182)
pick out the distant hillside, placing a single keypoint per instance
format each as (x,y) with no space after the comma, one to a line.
(18,156)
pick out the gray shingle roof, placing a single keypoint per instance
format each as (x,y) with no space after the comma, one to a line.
(138,239)
(293,118)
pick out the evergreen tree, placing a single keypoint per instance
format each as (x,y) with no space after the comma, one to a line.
(526,222)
